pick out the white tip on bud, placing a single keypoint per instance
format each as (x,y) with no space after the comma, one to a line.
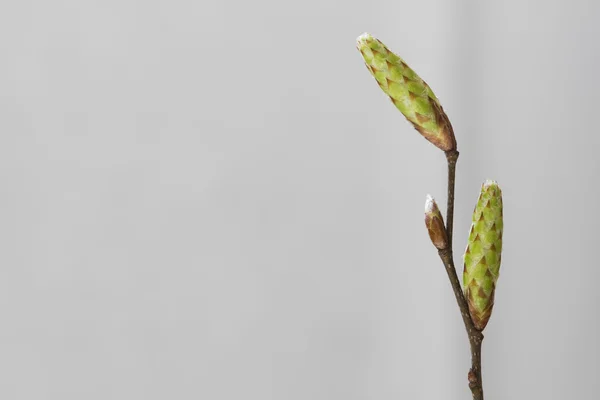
(363,38)
(489,183)
(429,203)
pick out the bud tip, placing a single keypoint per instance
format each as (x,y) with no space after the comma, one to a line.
(363,38)
(488,183)
(429,203)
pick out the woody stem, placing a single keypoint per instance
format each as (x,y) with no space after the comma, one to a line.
(475,336)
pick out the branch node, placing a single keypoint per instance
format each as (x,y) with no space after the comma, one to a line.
(472,376)
(452,156)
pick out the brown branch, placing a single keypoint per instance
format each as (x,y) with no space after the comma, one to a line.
(475,336)
(452,157)
(475,382)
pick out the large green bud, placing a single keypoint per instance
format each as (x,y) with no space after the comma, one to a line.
(483,254)
(409,93)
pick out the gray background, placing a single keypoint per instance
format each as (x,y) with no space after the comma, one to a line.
(213,200)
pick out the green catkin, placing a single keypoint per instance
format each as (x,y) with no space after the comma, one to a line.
(483,254)
(409,93)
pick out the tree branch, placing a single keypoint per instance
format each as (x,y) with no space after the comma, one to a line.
(475,336)
(452,157)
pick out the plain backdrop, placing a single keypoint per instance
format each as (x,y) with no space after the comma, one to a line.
(214,200)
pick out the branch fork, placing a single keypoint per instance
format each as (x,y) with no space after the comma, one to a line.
(475,335)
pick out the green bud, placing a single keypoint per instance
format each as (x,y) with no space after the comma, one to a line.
(483,254)
(409,93)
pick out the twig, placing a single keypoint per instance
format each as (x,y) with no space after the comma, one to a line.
(475,336)
(452,157)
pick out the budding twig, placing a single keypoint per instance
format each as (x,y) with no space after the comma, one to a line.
(415,99)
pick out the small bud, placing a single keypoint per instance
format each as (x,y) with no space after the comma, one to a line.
(435,224)
(409,93)
(471,376)
(483,254)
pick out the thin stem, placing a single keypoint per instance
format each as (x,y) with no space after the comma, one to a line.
(452,157)
(447,259)
(475,383)
(475,336)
